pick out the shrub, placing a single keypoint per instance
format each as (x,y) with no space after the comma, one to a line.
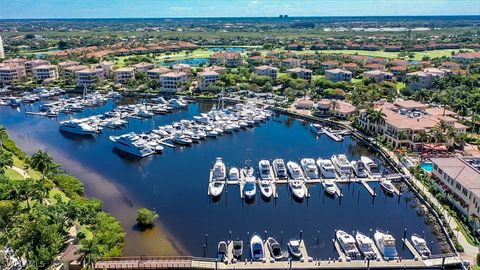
(71,186)
(146,218)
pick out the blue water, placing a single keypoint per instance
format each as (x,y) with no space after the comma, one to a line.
(175,183)
(228,49)
(192,62)
(427,166)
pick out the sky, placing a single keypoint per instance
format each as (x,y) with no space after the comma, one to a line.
(23,9)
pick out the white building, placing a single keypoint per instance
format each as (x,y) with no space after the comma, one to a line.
(29,65)
(205,78)
(268,71)
(122,75)
(337,75)
(173,81)
(88,77)
(425,78)
(301,73)
(11,72)
(69,72)
(143,66)
(155,73)
(378,75)
(2,52)
(45,73)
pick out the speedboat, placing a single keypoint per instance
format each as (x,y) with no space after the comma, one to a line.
(342,165)
(309,167)
(264,169)
(326,168)
(359,169)
(296,187)
(266,188)
(175,103)
(256,247)
(387,186)
(132,144)
(294,248)
(249,189)
(365,244)
(274,248)
(316,128)
(329,187)
(347,242)
(421,246)
(182,139)
(371,167)
(78,127)
(222,250)
(386,244)
(295,171)
(237,250)
(233,174)
(218,176)
(279,169)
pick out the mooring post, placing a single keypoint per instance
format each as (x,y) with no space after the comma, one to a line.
(301,235)
(230,235)
(265,235)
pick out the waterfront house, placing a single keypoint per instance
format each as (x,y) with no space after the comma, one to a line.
(122,75)
(173,81)
(155,73)
(29,65)
(268,71)
(229,59)
(63,65)
(206,78)
(143,66)
(11,72)
(378,75)
(337,75)
(45,73)
(301,73)
(88,77)
(69,72)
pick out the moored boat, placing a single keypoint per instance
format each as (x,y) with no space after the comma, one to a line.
(387,186)
(386,245)
(421,246)
(310,168)
(256,248)
(294,248)
(347,243)
(372,168)
(279,169)
(326,168)
(274,248)
(365,245)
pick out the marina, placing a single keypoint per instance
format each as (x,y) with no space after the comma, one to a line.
(180,177)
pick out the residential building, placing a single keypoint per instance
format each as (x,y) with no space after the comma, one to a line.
(268,71)
(352,67)
(467,57)
(155,73)
(45,73)
(459,178)
(220,70)
(343,110)
(329,64)
(301,73)
(256,60)
(11,72)
(375,66)
(425,78)
(143,66)
(405,119)
(69,72)
(378,75)
(205,78)
(29,65)
(337,75)
(450,65)
(181,68)
(122,75)
(107,67)
(2,52)
(291,63)
(399,72)
(173,81)
(88,77)
(229,59)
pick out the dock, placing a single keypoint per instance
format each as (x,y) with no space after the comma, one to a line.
(368,187)
(332,135)
(338,248)
(411,248)
(337,190)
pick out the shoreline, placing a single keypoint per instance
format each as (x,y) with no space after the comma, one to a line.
(115,200)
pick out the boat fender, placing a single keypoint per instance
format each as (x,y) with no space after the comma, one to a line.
(272,260)
(234,260)
(310,259)
(302,259)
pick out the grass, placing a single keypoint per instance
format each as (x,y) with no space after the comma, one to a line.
(56,191)
(10,173)
(466,233)
(21,164)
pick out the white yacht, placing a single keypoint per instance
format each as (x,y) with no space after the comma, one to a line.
(359,169)
(342,165)
(329,187)
(316,128)
(371,167)
(295,171)
(365,244)
(78,127)
(387,186)
(297,188)
(266,188)
(182,139)
(219,171)
(386,244)
(326,168)
(256,248)
(233,174)
(347,242)
(249,189)
(294,248)
(175,103)
(421,246)
(264,169)
(309,167)
(279,169)
(131,143)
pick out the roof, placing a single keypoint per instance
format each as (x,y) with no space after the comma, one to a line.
(125,69)
(338,70)
(143,64)
(173,74)
(439,111)
(207,73)
(377,72)
(460,170)
(45,67)
(159,70)
(265,67)
(410,104)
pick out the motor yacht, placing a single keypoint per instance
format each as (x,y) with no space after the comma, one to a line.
(274,248)
(279,169)
(309,167)
(342,165)
(175,103)
(326,168)
(386,244)
(237,250)
(329,187)
(365,245)
(359,169)
(347,242)
(264,169)
(256,248)
(249,189)
(233,174)
(182,139)
(387,186)
(316,128)
(78,127)
(222,250)
(372,168)
(266,188)
(421,246)
(218,177)
(294,248)
(132,144)
(295,171)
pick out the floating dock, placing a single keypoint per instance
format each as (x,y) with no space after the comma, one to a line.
(368,187)
(332,135)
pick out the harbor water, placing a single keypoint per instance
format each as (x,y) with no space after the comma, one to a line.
(175,184)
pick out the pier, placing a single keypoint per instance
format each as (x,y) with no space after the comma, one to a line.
(368,187)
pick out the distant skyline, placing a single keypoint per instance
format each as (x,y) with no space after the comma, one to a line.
(25,9)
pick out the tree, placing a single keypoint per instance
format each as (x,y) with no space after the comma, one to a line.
(334,105)
(423,137)
(90,254)
(42,162)
(5,160)
(146,218)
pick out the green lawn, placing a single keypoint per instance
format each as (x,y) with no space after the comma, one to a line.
(466,233)
(21,164)
(10,173)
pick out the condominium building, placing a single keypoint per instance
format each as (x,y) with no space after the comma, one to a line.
(155,73)
(425,78)
(11,72)
(2,52)
(173,81)
(337,75)
(107,67)
(459,179)
(143,66)
(329,64)
(399,72)
(69,72)
(467,57)
(291,62)
(45,73)
(29,65)
(205,78)
(229,59)
(88,77)
(301,73)
(405,119)
(378,75)
(181,68)
(268,71)
(122,75)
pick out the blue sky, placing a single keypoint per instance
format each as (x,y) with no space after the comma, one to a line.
(10,9)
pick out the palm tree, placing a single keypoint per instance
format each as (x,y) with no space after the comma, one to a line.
(402,134)
(90,254)
(376,117)
(334,105)
(437,135)
(450,135)
(461,106)
(42,161)
(423,137)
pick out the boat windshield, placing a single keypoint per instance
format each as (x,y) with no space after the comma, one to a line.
(249,187)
